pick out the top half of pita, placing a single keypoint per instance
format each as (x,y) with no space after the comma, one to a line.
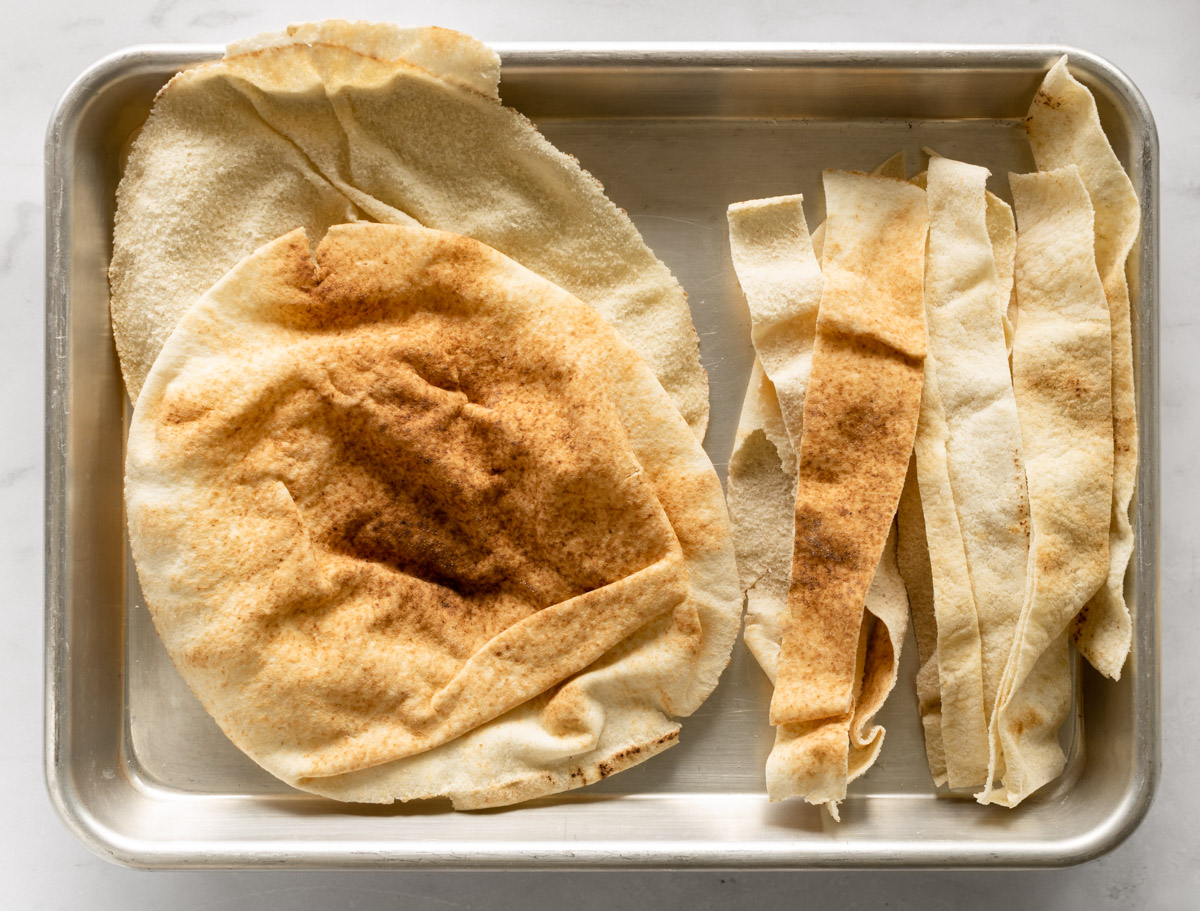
(334,122)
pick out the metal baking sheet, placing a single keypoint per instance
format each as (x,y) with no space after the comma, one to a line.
(143,777)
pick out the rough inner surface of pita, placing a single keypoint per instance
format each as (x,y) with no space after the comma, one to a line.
(379,499)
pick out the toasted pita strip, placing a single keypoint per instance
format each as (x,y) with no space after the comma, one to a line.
(891,167)
(1064,128)
(817,760)
(860,416)
(887,604)
(814,761)
(1062,377)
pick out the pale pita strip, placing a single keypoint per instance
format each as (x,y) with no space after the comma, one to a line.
(912,555)
(779,275)
(761,495)
(1062,376)
(963,722)
(986,482)
(1002,232)
(1064,128)
(860,417)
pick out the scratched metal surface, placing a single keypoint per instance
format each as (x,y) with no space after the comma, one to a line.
(143,775)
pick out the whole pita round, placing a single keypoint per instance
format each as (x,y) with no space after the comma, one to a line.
(338,122)
(413,521)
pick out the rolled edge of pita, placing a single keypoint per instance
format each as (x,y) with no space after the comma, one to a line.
(1002,232)
(1064,128)
(1062,364)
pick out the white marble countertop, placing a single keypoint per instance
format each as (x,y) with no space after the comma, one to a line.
(42,866)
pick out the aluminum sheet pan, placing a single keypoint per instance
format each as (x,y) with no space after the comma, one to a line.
(143,777)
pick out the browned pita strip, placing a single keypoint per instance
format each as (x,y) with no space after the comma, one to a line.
(860,416)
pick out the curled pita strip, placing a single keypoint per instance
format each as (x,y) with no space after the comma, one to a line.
(817,760)
(1062,377)
(1064,128)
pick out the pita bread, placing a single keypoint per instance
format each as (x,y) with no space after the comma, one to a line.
(983,544)
(912,558)
(413,521)
(290,131)
(864,396)
(891,167)
(948,604)
(1062,378)
(778,273)
(1064,128)
(442,52)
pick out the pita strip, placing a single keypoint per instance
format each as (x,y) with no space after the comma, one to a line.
(775,265)
(891,167)
(984,481)
(1064,128)
(912,555)
(860,416)
(1002,232)
(1062,377)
